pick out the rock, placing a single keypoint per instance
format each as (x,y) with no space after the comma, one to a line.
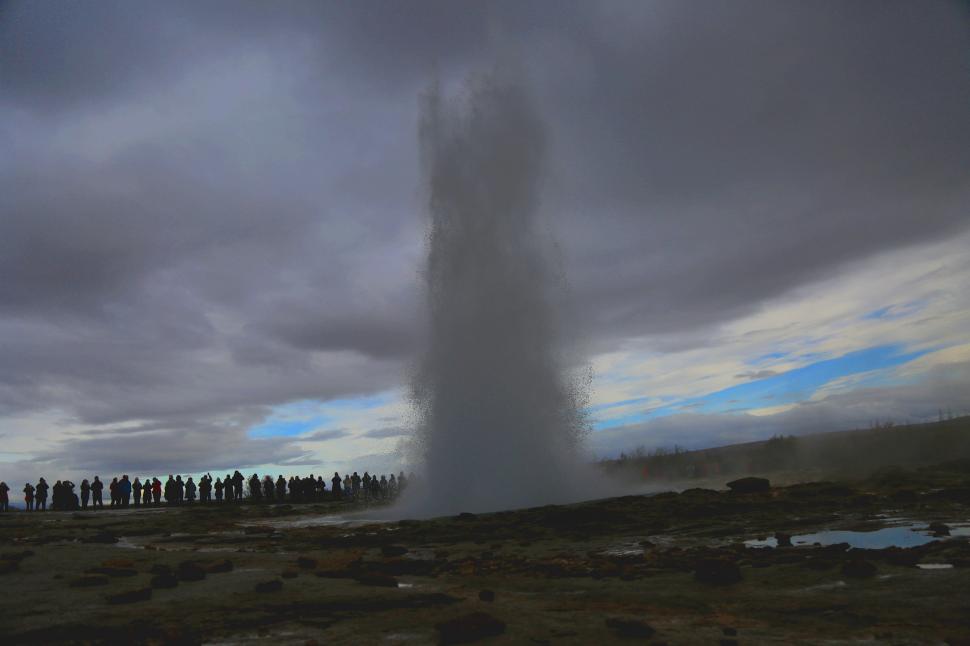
(379,580)
(290,573)
(90,581)
(939,529)
(113,572)
(469,628)
(190,571)
(16,556)
(630,628)
(306,562)
(131,596)
(465,516)
(749,485)
(784,540)
(118,563)
(394,550)
(274,585)
(101,537)
(730,632)
(858,569)
(717,571)
(486,595)
(901,557)
(8,567)
(159,568)
(222,565)
(164,581)
(728,642)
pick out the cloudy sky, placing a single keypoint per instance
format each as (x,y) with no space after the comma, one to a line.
(212,220)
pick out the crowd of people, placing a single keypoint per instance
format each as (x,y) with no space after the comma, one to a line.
(235,487)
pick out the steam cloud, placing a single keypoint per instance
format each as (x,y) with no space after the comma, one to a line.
(501,425)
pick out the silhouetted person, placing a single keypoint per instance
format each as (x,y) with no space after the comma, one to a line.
(254,488)
(205,488)
(281,489)
(355,484)
(383,486)
(42,487)
(147,492)
(219,487)
(136,492)
(230,488)
(401,482)
(124,491)
(190,490)
(268,488)
(170,490)
(57,501)
(96,498)
(4,497)
(347,486)
(85,493)
(68,497)
(156,491)
(29,496)
(179,490)
(335,484)
(113,491)
(237,485)
(392,486)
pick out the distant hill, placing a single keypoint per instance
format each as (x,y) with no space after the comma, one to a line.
(834,453)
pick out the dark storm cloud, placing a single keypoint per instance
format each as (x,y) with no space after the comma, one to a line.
(210,208)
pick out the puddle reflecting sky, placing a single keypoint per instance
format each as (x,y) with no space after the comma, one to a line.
(911,535)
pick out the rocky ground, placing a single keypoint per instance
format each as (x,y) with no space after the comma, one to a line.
(671,568)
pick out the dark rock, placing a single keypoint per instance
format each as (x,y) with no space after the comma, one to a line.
(218,567)
(159,568)
(101,537)
(858,569)
(9,567)
(306,562)
(469,628)
(89,581)
(119,563)
(749,485)
(269,586)
(190,571)
(379,580)
(939,529)
(730,632)
(289,574)
(465,516)
(717,571)
(167,580)
(16,556)
(394,550)
(629,628)
(114,572)
(130,596)
(784,540)
(728,642)
(901,557)
(486,595)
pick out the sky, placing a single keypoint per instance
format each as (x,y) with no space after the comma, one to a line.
(213,222)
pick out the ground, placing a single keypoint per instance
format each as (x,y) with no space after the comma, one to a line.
(669,568)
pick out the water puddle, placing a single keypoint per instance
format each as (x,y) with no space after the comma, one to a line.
(910,535)
(935,566)
(322,521)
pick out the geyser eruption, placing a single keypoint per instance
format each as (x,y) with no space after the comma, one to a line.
(501,424)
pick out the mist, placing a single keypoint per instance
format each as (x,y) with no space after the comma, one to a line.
(500,423)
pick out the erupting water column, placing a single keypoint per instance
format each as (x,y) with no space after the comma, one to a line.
(501,425)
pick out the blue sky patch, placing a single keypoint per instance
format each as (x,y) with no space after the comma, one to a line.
(789,387)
